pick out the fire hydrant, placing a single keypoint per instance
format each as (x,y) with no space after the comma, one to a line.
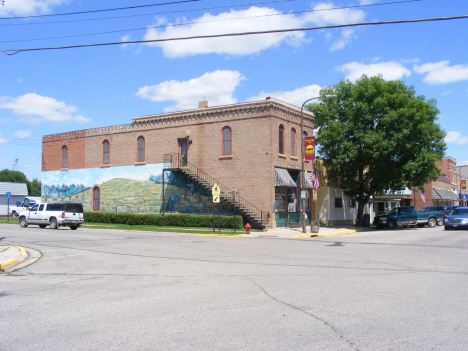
(247,228)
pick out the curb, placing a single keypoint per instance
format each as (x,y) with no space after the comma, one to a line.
(328,234)
(13,261)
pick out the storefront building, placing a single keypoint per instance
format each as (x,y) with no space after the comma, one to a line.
(168,163)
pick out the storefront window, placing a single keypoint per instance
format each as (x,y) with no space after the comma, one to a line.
(280,198)
(292,200)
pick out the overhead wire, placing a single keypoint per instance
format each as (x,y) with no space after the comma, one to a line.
(240,34)
(201,22)
(156,13)
(102,10)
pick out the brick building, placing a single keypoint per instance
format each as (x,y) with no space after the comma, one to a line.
(168,163)
(442,192)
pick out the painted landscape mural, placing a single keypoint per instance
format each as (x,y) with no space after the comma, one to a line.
(136,189)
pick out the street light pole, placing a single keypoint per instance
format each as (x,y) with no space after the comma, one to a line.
(304,230)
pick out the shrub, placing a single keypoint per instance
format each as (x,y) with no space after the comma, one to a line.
(172,220)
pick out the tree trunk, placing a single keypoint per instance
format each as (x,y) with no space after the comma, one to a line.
(360,213)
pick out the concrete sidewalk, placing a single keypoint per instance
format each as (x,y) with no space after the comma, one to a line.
(13,257)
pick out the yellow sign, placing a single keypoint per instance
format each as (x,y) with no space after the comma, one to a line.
(463,184)
(216,199)
(309,148)
(216,190)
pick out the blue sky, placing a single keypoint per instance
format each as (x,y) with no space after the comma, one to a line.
(54,91)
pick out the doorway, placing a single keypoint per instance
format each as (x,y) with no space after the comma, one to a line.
(182,152)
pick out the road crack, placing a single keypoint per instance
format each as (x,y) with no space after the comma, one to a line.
(342,337)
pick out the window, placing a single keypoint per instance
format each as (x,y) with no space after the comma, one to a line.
(64,157)
(281,139)
(338,202)
(105,152)
(96,199)
(293,142)
(280,198)
(226,141)
(292,201)
(141,149)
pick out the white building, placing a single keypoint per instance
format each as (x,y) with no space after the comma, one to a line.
(18,192)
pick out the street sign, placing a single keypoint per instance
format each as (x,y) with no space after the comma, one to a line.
(303,194)
(8,195)
(216,190)
(216,199)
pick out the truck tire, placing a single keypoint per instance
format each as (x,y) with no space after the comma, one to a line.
(53,223)
(432,222)
(23,223)
(440,223)
(14,214)
(391,224)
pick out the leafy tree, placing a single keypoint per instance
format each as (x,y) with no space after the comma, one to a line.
(34,187)
(377,135)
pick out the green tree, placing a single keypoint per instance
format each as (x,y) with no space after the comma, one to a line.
(34,187)
(377,135)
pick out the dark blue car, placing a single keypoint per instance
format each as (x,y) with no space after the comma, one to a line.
(457,219)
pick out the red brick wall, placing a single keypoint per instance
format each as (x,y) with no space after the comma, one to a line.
(254,135)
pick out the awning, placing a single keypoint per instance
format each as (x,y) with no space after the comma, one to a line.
(443,194)
(283,178)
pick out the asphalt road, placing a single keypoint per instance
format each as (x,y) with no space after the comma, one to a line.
(112,290)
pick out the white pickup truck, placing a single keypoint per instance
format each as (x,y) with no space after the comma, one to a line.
(20,206)
(64,214)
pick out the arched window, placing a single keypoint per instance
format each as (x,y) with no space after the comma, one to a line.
(293,142)
(105,152)
(96,199)
(226,141)
(281,139)
(64,157)
(141,149)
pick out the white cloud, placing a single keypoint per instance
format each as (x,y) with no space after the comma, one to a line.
(441,72)
(366,2)
(462,163)
(456,138)
(295,97)
(2,140)
(20,134)
(252,19)
(33,108)
(346,35)
(389,70)
(28,7)
(218,87)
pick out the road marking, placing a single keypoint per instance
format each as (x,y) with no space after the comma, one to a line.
(50,258)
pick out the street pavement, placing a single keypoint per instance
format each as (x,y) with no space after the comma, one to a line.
(14,257)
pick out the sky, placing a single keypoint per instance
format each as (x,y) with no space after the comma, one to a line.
(45,92)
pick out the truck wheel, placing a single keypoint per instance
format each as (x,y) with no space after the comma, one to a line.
(14,214)
(22,222)
(53,224)
(391,224)
(432,222)
(440,223)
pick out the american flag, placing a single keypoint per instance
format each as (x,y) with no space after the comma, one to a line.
(314,178)
(423,197)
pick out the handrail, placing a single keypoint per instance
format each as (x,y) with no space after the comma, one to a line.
(177,161)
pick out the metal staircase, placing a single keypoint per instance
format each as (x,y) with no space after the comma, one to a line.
(257,219)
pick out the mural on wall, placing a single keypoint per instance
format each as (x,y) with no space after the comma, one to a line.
(138,189)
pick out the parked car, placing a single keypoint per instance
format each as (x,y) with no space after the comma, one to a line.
(447,211)
(54,215)
(458,218)
(20,206)
(407,216)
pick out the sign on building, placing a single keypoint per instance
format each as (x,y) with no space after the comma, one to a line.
(309,148)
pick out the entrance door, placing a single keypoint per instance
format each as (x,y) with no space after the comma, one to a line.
(182,152)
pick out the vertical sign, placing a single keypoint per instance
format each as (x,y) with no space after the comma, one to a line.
(463,184)
(309,148)
(8,195)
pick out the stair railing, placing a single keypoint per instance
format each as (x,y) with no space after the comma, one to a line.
(176,161)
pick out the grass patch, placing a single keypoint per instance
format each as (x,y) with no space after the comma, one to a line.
(13,220)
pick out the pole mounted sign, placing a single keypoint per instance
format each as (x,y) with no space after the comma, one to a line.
(8,195)
(216,192)
(463,184)
(309,148)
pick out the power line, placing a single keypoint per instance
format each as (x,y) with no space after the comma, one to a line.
(102,10)
(239,34)
(153,14)
(200,22)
